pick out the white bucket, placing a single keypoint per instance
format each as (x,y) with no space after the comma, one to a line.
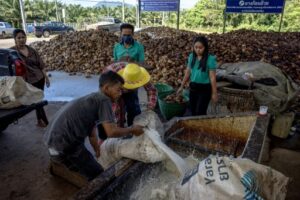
(263,110)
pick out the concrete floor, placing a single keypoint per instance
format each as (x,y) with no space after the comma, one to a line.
(288,163)
(66,88)
(9,42)
(24,159)
(23,155)
(24,164)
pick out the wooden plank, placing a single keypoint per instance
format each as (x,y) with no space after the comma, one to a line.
(104,180)
(70,176)
(134,170)
(223,84)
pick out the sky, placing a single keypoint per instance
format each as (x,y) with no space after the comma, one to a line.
(183,3)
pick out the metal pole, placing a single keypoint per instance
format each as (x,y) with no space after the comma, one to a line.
(64,15)
(123,11)
(56,10)
(178,14)
(224,22)
(106,6)
(64,8)
(23,15)
(281,18)
(139,14)
(153,20)
(225,17)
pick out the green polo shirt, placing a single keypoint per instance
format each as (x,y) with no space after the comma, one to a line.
(197,75)
(135,52)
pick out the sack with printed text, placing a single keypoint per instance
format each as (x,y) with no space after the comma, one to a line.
(227,178)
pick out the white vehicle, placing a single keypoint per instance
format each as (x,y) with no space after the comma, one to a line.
(6,30)
(107,23)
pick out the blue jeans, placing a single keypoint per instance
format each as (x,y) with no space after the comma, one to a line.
(132,105)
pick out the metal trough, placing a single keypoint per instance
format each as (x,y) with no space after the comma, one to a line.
(235,134)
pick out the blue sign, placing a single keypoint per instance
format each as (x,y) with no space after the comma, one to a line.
(254,6)
(159,5)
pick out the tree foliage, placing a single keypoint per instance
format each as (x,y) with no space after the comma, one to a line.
(209,14)
(205,15)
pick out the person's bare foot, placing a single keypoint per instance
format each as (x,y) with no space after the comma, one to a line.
(41,124)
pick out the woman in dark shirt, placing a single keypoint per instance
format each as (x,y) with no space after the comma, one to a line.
(35,69)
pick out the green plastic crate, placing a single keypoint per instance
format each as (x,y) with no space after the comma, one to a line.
(170,110)
(163,88)
(186,94)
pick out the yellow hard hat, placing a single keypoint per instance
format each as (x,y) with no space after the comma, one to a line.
(134,76)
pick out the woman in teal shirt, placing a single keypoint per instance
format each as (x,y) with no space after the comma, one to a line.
(201,72)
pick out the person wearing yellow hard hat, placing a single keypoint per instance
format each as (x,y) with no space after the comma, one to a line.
(134,77)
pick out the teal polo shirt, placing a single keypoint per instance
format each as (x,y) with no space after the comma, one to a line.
(135,52)
(197,75)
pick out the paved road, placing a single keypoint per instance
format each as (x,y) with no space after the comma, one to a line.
(9,42)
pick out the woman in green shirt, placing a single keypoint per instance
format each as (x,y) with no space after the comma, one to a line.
(201,72)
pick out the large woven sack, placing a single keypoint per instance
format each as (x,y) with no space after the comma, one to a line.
(139,148)
(278,95)
(14,92)
(147,148)
(225,178)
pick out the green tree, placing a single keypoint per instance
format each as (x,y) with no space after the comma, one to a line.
(205,15)
(44,10)
(292,16)
(74,12)
(10,12)
(209,14)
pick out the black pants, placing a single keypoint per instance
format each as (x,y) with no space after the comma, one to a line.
(80,160)
(40,112)
(131,100)
(200,95)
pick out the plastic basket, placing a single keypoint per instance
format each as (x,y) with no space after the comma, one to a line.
(169,110)
(186,94)
(237,100)
(163,87)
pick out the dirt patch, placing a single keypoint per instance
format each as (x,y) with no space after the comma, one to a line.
(24,162)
